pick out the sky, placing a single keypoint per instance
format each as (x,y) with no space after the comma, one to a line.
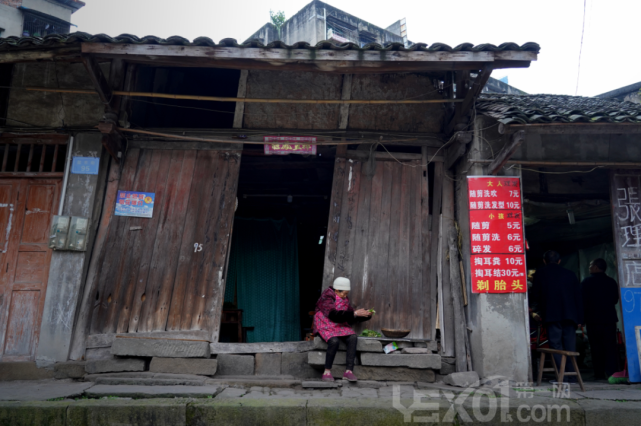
(609,58)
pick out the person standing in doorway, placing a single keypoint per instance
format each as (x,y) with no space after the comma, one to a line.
(332,320)
(557,292)
(600,296)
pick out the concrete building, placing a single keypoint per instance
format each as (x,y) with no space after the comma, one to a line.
(630,93)
(36,18)
(318,21)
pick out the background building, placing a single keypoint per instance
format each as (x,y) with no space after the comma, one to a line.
(36,18)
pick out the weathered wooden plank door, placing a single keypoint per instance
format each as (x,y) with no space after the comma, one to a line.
(26,209)
(378,238)
(165,273)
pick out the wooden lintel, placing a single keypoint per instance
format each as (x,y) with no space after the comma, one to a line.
(471,94)
(295,55)
(508,150)
(572,128)
(98,79)
(400,156)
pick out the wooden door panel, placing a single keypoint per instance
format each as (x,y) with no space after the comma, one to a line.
(22,327)
(30,267)
(39,208)
(150,276)
(25,265)
(7,197)
(376,239)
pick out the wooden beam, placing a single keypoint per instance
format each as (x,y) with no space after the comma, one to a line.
(39,55)
(400,156)
(345,95)
(566,163)
(98,79)
(508,150)
(572,128)
(295,55)
(240,106)
(457,149)
(472,93)
(249,100)
(116,80)
(113,145)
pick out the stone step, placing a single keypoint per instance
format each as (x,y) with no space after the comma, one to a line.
(317,358)
(148,382)
(133,391)
(423,361)
(249,381)
(389,374)
(163,348)
(200,366)
(313,384)
(145,375)
(363,345)
(114,365)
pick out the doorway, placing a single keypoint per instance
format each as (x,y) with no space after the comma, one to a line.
(26,209)
(569,211)
(275,271)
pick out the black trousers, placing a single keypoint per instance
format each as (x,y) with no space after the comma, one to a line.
(332,348)
(603,344)
(562,335)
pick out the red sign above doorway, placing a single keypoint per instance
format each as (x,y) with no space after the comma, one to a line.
(283,145)
(496,235)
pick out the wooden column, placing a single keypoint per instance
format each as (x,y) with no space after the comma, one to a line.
(346,95)
(447,213)
(240,106)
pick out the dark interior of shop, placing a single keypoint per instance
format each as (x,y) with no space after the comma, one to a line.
(568,210)
(296,188)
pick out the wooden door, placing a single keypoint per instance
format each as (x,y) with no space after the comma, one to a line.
(26,209)
(378,237)
(166,273)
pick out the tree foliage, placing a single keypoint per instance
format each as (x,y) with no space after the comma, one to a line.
(277,18)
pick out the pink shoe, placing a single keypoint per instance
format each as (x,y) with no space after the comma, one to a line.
(327,378)
(349,376)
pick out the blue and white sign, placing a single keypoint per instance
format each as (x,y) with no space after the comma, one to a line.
(85,165)
(135,204)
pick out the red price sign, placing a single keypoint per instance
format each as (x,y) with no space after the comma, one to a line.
(496,235)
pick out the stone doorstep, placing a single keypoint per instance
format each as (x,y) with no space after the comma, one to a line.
(388,374)
(268,364)
(419,361)
(148,381)
(362,345)
(317,358)
(114,365)
(235,365)
(163,348)
(312,384)
(160,391)
(198,366)
(69,370)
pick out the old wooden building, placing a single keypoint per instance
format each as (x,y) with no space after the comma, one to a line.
(395,134)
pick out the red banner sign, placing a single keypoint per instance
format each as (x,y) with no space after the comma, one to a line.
(496,235)
(283,145)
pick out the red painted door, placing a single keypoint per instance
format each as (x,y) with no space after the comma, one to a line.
(26,209)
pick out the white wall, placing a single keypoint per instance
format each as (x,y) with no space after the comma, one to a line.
(11,21)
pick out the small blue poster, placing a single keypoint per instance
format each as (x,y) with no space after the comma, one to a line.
(85,165)
(135,204)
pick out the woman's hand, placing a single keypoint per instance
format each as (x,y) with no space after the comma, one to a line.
(362,313)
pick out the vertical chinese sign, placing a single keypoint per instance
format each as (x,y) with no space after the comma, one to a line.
(625,192)
(496,233)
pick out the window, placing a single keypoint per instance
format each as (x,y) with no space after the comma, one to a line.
(39,26)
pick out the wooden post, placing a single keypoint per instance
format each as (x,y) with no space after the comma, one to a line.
(460,325)
(346,95)
(508,150)
(447,212)
(434,249)
(240,106)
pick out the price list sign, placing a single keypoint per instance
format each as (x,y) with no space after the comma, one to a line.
(496,235)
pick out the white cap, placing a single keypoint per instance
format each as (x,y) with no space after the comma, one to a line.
(341,283)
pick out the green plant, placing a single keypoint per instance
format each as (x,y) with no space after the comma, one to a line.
(371,333)
(277,18)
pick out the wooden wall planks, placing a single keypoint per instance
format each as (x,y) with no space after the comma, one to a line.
(152,279)
(376,239)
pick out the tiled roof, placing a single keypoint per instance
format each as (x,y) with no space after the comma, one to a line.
(57,40)
(529,109)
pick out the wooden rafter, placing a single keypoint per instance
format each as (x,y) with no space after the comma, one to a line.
(472,93)
(508,150)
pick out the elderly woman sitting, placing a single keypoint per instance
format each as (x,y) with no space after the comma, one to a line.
(332,321)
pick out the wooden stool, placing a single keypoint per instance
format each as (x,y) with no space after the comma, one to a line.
(559,373)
